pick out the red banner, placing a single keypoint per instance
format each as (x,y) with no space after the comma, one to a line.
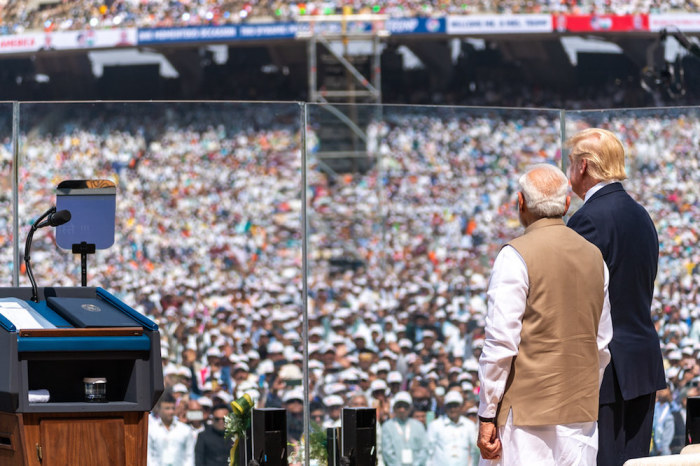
(601,23)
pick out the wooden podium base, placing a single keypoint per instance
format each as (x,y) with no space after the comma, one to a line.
(76,439)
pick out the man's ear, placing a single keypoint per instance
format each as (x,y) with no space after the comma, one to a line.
(568,203)
(583,166)
(521,202)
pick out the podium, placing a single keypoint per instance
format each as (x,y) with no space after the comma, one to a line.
(67,429)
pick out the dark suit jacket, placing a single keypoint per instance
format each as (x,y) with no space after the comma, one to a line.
(626,236)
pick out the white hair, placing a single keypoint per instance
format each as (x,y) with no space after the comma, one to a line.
(545,188)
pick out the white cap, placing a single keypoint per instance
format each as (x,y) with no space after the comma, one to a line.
(275,347)
(394,377)
(404,397)
(205,402)
(453,397)
(333,400)
(335,388)
(224,396)
(318,331)
(383,366)
(295,394)
(377,385)
(290,372)
(405,343)
(266,367)
(180,388)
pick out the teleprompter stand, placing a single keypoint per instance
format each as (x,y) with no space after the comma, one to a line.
(83,249)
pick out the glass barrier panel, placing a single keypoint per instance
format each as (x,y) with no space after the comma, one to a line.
(6,201)
(208,231)
(405,220)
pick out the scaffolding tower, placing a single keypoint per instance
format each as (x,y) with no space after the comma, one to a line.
(330,38)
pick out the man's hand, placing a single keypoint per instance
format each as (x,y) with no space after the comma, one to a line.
(488,441)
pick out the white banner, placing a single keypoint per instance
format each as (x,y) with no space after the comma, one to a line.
(499,24)
(20,43)
(91,39)
(68,40)
(686,22)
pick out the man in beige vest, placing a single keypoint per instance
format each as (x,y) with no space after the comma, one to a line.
(547,331)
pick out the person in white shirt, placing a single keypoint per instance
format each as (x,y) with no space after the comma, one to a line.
(404,442)
(547,331)
(452,437)
(194,418)
(170,442)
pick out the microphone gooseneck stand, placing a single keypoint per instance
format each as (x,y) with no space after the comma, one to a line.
(28,247)
(54,219)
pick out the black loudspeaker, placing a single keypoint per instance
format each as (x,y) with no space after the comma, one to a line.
(692,420)
(359,436)
(333,445)
(269,439)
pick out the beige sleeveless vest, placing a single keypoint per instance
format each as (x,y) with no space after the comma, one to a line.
(554,377)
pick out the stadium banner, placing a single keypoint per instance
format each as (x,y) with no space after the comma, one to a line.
(499,24)
(686,22)
(19,43)
(601,23)
(271,31)
(187,34)
(68,40)
(90,39)
(416,26)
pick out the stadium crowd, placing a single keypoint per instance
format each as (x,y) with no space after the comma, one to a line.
(18,16)
(209,245)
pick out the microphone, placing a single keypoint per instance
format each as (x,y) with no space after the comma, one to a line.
(53,219)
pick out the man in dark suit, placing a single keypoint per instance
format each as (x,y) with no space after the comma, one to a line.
(626,236)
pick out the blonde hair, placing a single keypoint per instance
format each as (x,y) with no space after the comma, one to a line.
(603,151)
(544,188)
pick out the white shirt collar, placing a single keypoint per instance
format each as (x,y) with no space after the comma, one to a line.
(449,421)
(597,188)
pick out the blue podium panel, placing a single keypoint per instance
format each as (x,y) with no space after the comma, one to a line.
(44,367)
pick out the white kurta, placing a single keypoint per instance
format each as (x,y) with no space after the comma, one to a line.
(451,443)
(170,447)
(575,444)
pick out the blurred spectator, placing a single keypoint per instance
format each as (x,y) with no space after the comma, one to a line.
(212,448)
(663,424)
(317,412)
(403,438)
(293,403)
(452,437)
(170,442)
(194,417)
(334,405)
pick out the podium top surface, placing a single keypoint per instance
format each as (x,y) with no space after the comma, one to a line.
(68,308)
(45,326)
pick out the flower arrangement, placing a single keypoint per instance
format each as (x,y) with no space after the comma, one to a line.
(237,424)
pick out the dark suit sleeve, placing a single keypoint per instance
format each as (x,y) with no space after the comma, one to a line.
(584,226)
(200,453)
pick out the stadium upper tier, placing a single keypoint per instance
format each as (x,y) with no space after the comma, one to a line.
(17,16)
